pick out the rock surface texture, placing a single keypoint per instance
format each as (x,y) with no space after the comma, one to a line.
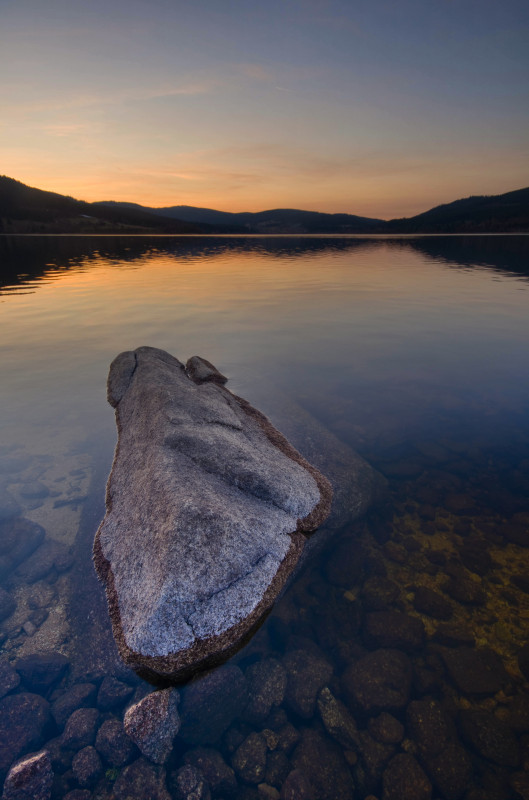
(207,507)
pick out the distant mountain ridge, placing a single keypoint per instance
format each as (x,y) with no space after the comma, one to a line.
(478,214)
(273,221)
(24,209)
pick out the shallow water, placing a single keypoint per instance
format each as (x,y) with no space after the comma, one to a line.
(413,351)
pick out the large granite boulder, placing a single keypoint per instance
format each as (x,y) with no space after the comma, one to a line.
(207,510)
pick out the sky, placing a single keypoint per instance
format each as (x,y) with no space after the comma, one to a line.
(382,108)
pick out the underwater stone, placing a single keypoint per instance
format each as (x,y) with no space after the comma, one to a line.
(7,604)
(404,777)
(323,763)
(207,507)
(40,671)
(153,722)
(80,729)
(211,703)
(141,780)
(8,505)
(30,779)
(87,766)
(113,743)
(24,721)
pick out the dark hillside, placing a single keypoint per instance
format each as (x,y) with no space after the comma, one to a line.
(24,209)
(501,213)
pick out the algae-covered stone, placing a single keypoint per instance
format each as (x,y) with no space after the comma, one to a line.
(207,506)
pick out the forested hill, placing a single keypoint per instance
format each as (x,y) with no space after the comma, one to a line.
(24,209)
(484,214)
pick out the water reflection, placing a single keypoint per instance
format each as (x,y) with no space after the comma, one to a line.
(397,664)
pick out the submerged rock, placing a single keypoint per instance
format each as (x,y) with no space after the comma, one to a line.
(30,779)
(207,506)
(153,722)
(24,721)
(211,703)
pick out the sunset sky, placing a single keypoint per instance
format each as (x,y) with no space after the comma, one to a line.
(372,107)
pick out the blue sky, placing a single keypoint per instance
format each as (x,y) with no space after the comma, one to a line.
(375,108)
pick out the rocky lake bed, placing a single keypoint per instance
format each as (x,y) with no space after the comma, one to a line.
(395,666)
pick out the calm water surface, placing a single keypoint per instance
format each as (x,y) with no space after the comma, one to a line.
(414,352)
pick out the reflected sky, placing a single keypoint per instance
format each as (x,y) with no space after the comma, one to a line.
(397,324)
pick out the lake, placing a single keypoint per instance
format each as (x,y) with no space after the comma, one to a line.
(396,665)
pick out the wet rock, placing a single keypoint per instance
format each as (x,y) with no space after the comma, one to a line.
(40,671)
(12,465)
(153,722)
(324,765)
(87,766)
(267,792)
(429,726)
(80,729)
(220,776)
(449,770)
(113,744)
(380,681)
(475,671)
(297,787)
(34,489)
(7,604)
(18,540)
(61,759)
(29,628)
(427,601)
(267,681)
(30,779)
(393,629)
(404,778)
(517,714)
(249,760)
(277,768)
(463,587)
(113,693)
(516,532)
(307,674)
(520,784)
(337,720)
(460,503)
(78,794)
(490,737)
(386,729)
(24,721)
(190,784)
(38,616)
(344,566)
(211,703)
(521,582)
(9,678)
(81,695)
(48,556)
(218,470)
(523,661)
(287,738)
(475,556)
(453,634)
(395,552)
(374,756)
(9,507)
(379,592)
(141,780)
